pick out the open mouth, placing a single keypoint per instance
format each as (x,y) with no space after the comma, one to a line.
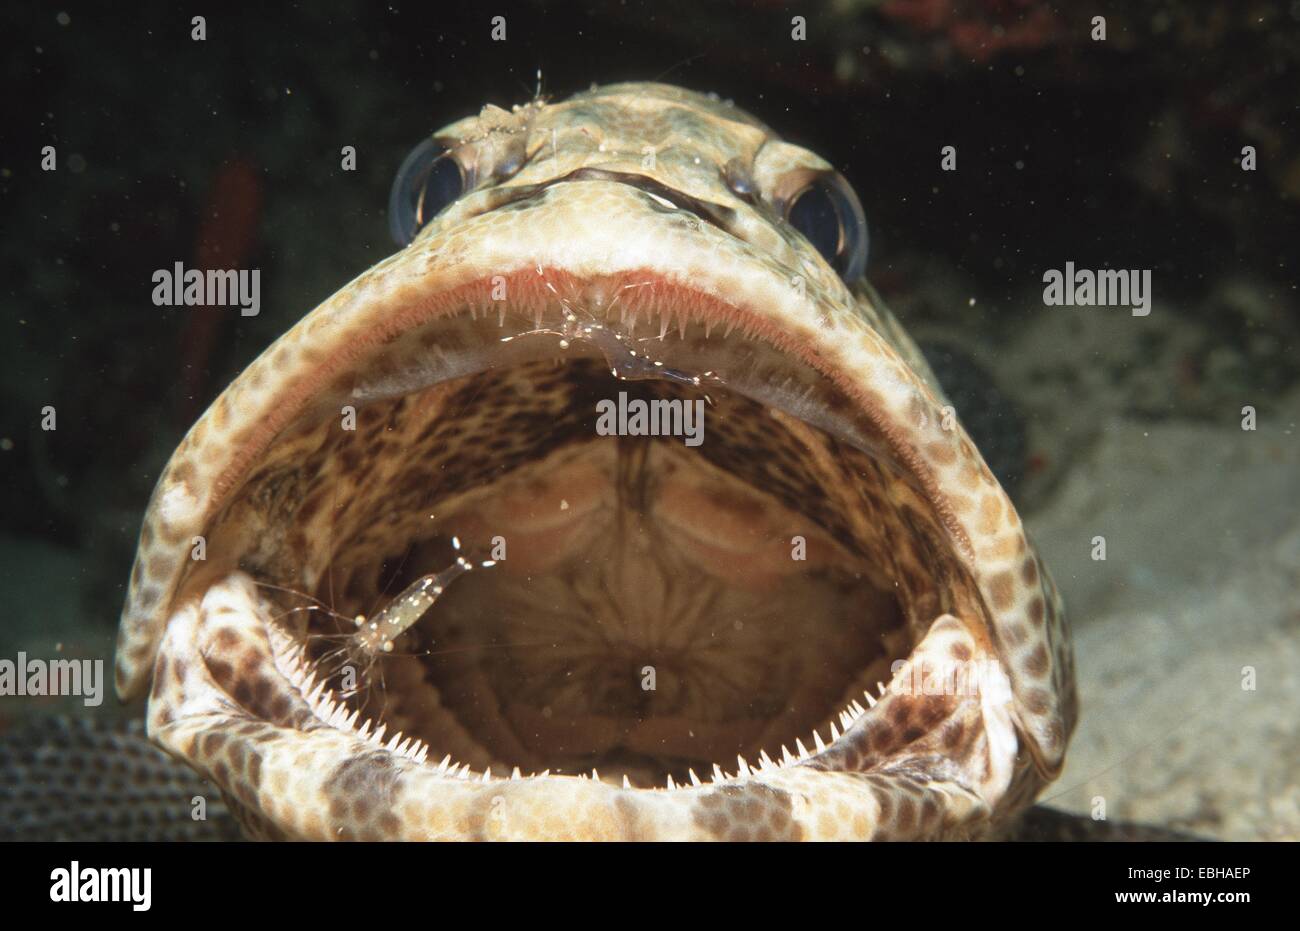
(692,556)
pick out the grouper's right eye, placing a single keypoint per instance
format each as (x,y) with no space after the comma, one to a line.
(429,180)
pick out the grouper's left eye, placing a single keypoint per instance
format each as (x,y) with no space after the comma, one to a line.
(828,214)
(429,180)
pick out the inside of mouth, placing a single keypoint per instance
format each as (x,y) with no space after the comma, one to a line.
(658,606)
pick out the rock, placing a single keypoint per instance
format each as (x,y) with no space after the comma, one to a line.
(1199,593)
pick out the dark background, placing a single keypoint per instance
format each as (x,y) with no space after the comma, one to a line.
(227,151)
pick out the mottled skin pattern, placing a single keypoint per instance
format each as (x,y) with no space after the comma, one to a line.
(892,498)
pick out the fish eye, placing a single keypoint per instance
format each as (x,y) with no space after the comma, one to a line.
(830,217)
(429,180)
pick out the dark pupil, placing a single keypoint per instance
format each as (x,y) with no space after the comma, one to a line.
(441,187)
(813,214)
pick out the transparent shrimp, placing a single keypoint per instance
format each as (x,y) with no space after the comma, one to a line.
(625,363)
(374,637)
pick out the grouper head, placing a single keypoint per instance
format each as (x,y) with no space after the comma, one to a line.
(738,571)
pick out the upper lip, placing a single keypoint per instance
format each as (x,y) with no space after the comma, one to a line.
(718,215)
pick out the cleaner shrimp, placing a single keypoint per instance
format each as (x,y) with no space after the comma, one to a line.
(358,652)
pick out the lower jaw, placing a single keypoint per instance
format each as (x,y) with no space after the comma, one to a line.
(295,763)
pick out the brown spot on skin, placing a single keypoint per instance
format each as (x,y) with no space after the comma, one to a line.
(1002,590)
(898,713)
(929,809)
(279,708)
(250,664)
(826,824)
(906,815)
(960,503)
(941,453)
(990,514)
(932,712)
(220,412)
(960,652)
(182,471)
(1006,548)
(756,800)
(1036,612)
(372,777)
(953,734)
(1029,572)
(262,690)
(712,823)
(313,826)
(243,692)
(1037,663)
(343,384)
(281,356)
(881,738)
(1038,701)
(1015,634)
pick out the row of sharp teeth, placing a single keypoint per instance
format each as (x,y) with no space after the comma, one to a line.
(669,318)
(334,711)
